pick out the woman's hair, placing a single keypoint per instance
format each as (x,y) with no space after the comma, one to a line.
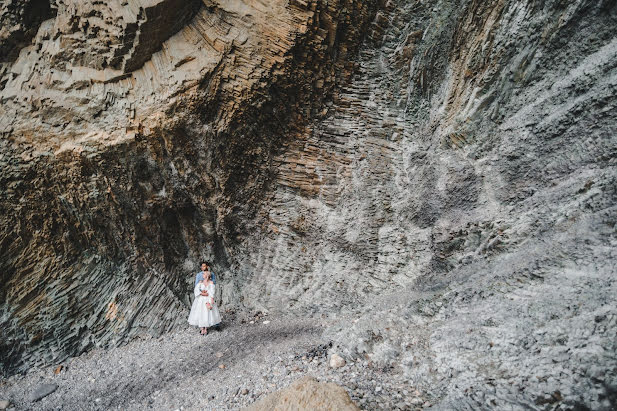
(207,275)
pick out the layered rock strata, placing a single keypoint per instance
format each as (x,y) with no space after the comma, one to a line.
(451,182)
(460,197)
(130,153)
(20,21)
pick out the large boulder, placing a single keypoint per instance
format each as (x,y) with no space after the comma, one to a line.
(307,394)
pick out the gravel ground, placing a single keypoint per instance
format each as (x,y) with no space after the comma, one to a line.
(228,369)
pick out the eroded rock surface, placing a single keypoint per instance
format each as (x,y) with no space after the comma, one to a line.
(119,174)
(444,171)
(20,20)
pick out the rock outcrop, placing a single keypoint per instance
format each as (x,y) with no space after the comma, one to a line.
(307,394)
(136,140)
(445,170)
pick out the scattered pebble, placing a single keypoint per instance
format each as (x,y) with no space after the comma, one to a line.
(43,391)
(336,361)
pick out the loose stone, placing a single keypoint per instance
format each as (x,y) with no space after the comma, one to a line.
(43,391)
(336,361)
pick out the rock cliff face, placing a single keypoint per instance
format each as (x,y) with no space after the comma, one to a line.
(136,140)
(445,170)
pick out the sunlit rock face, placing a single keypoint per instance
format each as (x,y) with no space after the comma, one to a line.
(445,170)
(137,139)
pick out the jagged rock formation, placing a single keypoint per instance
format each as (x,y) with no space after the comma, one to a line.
(129,155)
(446,170)
(20,22)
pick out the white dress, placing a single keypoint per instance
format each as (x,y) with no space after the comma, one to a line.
(200,315)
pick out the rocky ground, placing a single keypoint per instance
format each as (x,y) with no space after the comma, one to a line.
(228,369)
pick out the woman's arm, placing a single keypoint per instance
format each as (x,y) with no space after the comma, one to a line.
(211,292)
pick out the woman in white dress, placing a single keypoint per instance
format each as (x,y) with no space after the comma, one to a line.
(204,312)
